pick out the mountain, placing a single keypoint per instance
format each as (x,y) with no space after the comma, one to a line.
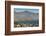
(24,12)
(26,15)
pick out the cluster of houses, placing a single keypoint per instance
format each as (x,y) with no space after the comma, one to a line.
(23,25)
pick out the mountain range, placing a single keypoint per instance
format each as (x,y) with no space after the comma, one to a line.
(26,15)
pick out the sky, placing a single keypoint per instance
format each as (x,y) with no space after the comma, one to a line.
(26,9)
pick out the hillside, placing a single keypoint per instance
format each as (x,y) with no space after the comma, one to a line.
(21,16)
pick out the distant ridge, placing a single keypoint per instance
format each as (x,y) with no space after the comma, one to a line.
(24,12)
